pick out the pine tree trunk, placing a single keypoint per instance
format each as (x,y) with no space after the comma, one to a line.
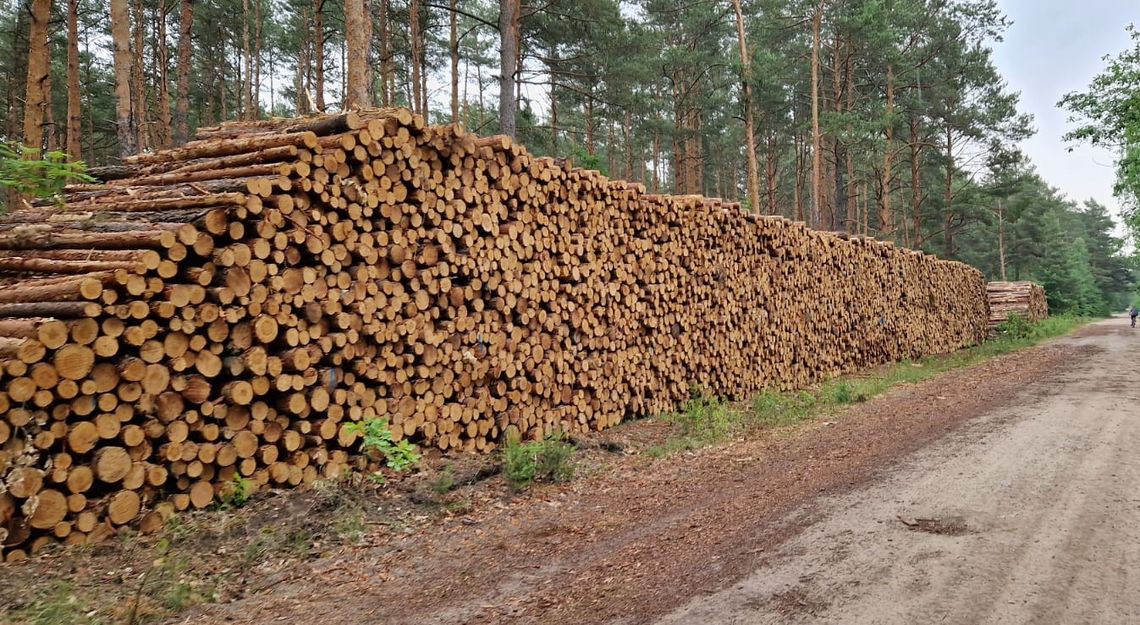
(749,127)
(358,93)
(948,199)
(121,36)
(695,152)
(611,164)
(17,76)
(771,171)
(656,161)
(386,71)
(165,116)
(839,196)
(590,125)
(90,121)
(886,223)
(185,49)
(39,72)
(414,38)
(453,48)
(797,182)
(319,54)
(852,187)
(257,43)
(139,108)
(627,138)
(425,105)
(74,96)
(303,102)
(816,152)
(680,178)
(51,141)
(223,92)
(916,181)
(272,91)
(1001,238)
(247,62)
(553,113)
(508,57)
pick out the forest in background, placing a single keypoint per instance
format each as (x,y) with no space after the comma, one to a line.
(885,118)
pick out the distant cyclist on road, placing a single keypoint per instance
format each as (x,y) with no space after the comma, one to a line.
(1132,313)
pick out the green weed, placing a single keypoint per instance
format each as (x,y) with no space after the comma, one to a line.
(548,460)
(236,493)
(1015,326)
(704,420)
(350,526)
(57,605)
(444,482)
(24,170)
(377,441)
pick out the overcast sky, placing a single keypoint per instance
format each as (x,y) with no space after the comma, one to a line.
(1053,47)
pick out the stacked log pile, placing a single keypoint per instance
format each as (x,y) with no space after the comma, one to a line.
(1026,299)
(227,308)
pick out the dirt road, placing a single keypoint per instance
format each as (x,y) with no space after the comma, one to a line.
(1030,514)
(1002,493)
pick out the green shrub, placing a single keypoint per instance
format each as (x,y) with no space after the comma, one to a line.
(842,393)
(377,442)
(444,482)
(705,418)
(236,493)
(23,171)
(1015,326)
(548,460)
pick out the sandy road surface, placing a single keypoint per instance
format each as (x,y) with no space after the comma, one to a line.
(1007,492)
(1030,514)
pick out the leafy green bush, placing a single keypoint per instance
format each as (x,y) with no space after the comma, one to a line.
(1015,326)
(23,171)
(842,393)
(547,460)
(705,417)
(236,493)
(377,442)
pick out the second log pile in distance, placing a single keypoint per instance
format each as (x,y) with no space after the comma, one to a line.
(1022,298)
(225,309)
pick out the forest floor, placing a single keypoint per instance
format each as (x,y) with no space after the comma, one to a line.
(999,489)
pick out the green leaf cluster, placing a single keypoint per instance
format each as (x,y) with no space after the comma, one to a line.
(377,441)
(548,460)
(25,172)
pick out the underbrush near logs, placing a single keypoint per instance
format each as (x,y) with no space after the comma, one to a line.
(234,308)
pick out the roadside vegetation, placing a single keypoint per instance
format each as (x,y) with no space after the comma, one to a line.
(549,460)
(706,420)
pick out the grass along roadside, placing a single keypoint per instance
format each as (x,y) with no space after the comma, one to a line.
(706,420)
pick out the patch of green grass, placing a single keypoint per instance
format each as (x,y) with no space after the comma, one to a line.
(236,493)
(548,460)
(705,421)
(444,482)
(773,409)
(702,421)
(172,589)
(179,596)
(350,526)
(57,605)
(459,506)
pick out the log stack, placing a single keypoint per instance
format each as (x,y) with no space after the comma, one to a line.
(226,308)
(1021,298)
